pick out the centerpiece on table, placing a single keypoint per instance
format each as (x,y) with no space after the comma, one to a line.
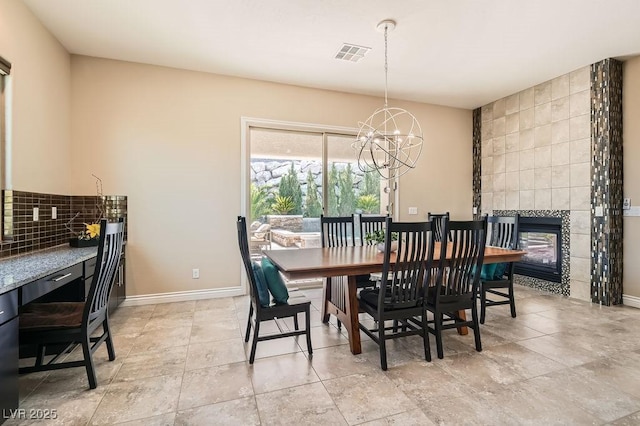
(90,235)
(379,236)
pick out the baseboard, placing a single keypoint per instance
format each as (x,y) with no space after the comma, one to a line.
(632,301)
(182,296)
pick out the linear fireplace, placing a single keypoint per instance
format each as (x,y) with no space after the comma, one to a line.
(541,238)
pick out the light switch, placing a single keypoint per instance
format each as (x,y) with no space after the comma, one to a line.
(54,212)
(36,214)
(413,210)
(475,210)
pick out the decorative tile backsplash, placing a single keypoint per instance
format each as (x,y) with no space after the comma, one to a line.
(21,234)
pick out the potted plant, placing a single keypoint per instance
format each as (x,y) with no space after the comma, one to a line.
(379,236)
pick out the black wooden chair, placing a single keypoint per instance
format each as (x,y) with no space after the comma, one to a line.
(367,225)
(336,231)
(65,324)
(295,305)
(503,232)
(400,297)
(439,219)
(458,283)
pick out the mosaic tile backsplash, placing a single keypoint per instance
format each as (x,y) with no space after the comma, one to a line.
(21,234)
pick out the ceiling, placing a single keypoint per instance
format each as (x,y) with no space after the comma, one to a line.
(463,53)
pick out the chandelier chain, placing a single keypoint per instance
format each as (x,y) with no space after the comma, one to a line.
(386,65)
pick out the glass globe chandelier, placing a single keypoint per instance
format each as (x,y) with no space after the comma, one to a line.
(389,142)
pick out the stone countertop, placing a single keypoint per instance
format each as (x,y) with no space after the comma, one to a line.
(18,271)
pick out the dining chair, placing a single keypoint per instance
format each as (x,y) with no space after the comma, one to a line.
(502,232)
(65,324)
(336,231)
(367,225)
(439,219)
(457,284)
(294,306)
(400,297)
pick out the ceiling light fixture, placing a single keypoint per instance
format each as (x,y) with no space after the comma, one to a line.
(390,141)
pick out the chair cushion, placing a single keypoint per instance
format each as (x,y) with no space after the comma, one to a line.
(49,316)
(500,270)
(261,283)
(261,232)
(274,281)
(488,272)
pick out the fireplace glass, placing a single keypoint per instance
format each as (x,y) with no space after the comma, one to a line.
(541,248)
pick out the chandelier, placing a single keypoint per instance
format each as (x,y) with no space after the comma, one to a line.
(389,142)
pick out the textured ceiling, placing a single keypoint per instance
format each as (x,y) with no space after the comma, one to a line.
(463,53)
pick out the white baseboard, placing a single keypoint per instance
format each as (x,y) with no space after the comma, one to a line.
(632,301)
(182,296)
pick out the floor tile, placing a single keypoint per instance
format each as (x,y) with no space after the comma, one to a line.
(153,363)
(211,385)
(210,354)
(282,371)
(236,412)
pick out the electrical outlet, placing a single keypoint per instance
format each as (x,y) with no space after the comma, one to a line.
(195,273)
(54,212)
(475,210)
(36,214)
(599,211)
(413,210)
(626,204)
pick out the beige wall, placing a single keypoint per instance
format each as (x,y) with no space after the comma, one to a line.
(170,140)
(631,149)
(41,79)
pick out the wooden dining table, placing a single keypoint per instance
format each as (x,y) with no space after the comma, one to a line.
(341,265)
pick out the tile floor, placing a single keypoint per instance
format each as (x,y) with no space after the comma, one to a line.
(560,361)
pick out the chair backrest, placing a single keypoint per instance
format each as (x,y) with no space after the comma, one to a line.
(461,278)
(439,219)
(245,254)
(370,224)
(412,266)
(107,264)
(503,231)
(337,231)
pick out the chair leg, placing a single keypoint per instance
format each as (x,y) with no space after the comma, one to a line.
(425,338)
(383,346)
(295,322)
(88,363)
(42,349)
(254,343)
(512,301)
(110,349)
(246,336)
(339,324)
(307,316)
(437,318)
(476,328)
(483,304)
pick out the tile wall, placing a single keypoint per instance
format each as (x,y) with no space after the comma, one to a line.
(21,234)
(536,155)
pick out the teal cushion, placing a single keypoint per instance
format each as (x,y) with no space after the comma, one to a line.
(488,271)
(274,281)
(501,268)
(261,283)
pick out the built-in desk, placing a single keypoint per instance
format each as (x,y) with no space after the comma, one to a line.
(62,272)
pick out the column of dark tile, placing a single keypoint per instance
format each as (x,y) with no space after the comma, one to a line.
(606,182)
(477,161)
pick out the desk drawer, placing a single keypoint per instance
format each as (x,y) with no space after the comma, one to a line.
(89,267)
(8,306)
(49,283)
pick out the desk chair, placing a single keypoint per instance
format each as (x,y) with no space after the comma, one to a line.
(71,323)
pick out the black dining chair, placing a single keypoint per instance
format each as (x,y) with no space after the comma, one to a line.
(503,232)
(336,231)
(294,306)
(64,324)
(399,298)
(439,219)
(457,284)
(369,224)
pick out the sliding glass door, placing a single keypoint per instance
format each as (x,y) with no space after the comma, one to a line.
(296,174)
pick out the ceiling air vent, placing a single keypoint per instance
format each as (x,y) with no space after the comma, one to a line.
(351,52)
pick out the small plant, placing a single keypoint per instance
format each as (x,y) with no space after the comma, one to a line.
(379,236)
(283,205)
(368,203)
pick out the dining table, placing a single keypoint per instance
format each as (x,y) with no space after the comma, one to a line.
(341,266)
